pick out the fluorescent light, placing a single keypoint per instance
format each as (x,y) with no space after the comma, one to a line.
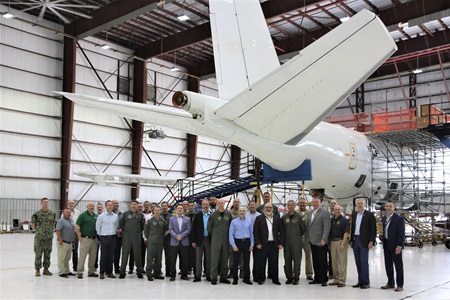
(174,69)
(106,47)
(417,71)
(345,19)
(183,18)
(8,15)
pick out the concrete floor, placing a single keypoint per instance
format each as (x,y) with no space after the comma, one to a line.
(427,276)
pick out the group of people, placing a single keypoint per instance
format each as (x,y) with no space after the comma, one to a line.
(218,243)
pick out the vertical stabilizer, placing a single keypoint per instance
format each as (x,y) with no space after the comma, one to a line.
(243,48)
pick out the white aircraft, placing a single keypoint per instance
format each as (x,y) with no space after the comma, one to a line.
(274,112)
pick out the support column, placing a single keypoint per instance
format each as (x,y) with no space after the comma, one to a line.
(137,130)
(235,162)
(69,66)
(192,140)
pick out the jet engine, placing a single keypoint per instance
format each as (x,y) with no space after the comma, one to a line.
(196,104)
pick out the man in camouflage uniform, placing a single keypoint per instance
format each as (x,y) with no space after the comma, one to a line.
(43,222)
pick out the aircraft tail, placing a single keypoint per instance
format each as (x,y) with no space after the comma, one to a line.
(288,103)
(243,49)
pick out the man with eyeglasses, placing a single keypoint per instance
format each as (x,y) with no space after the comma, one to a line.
(269,239)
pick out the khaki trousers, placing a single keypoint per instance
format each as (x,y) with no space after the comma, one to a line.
(87,246)
(339,261)
(308,262)
(64,255)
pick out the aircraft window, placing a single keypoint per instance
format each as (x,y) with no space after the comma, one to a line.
(360,181)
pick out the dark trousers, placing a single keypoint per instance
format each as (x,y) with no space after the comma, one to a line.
(183,252)
(268,253)
(191,264)
(255,263)
(167,254)
(117,255)
(362,261)
(391,259)
(203,258)
(244,248)
(330,264)
(75,253)
(96,257)
(108,245)
(319,256)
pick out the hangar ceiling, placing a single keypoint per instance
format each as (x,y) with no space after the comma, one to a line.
(151,28)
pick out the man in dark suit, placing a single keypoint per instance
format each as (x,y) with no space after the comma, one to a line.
(363,233)
(179,228)
(318,227)
(269,239)
(201,242)
(393,237)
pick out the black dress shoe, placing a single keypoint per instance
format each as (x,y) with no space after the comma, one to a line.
(260,282)
(213,281)
(140,276)
(149,278)
(364,286)
(130,272)
(70,274)
(63,276)
(172,278)
(235,282)
(289,281)
(248,281)
(356,285)
(158,277)
(314,282)
(324,284)
(197,279)
(309,278)
(208,278)
(295,282)
(93,275)
(276,282)
(387,286)
(121,276)
(224,280)
(185,278)
(111,275)
(80,276)
(102,276)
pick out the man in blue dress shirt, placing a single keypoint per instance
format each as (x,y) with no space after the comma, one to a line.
(241,240)
(106,227)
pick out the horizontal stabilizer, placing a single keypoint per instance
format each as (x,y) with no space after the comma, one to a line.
(167,116)
(288,103)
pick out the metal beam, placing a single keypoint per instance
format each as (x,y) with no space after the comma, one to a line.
(174,42)
(137,131)
(111,15)
(69,67)
(192,140)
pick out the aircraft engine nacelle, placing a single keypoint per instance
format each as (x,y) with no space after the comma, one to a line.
(196,104)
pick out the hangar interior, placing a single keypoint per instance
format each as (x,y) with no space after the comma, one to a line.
(141,51)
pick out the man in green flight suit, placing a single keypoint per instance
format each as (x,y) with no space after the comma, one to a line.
(218,228)
(154,231)
(132,224)
(43,222)
(293,231)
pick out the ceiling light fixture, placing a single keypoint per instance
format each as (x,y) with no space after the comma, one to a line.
(183,17)
(417,71)
(105,47)
(174,69)
(344,19)
(8,15)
